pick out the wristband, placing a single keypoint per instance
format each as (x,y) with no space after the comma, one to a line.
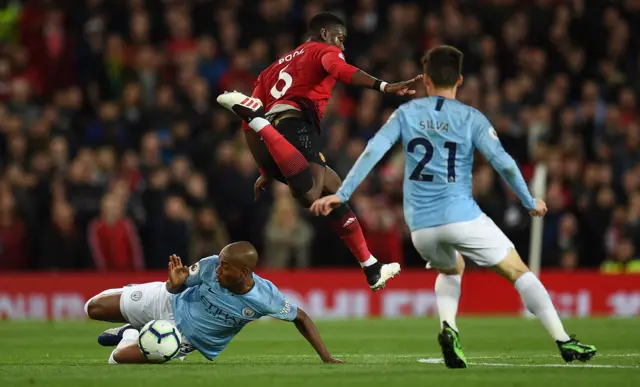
(379,85)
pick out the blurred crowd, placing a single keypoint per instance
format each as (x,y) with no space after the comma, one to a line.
(114,154)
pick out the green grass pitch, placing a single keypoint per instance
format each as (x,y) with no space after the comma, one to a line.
(502,352)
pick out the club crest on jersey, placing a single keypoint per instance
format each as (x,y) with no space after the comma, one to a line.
(248,312)
(493,134)
(136,296)
(289,57)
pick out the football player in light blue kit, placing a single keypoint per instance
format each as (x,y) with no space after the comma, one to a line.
(439,135)
(210,302)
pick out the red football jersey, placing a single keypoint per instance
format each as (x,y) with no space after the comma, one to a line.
(303,79)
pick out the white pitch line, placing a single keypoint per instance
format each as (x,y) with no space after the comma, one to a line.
(434,360)
(541,356)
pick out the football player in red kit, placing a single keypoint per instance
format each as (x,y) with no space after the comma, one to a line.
(282,127)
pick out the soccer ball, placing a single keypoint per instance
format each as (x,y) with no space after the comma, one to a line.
(159,341)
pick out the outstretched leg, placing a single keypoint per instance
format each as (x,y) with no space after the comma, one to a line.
(106,307)
(537,300)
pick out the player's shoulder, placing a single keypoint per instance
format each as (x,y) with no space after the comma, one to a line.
(268,297)
(264,286)
(319,49)
(319,46)
(204,265)
(212,260)
(469,111)
(414,104)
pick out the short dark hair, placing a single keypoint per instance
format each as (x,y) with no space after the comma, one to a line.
(443,64)
(324,20)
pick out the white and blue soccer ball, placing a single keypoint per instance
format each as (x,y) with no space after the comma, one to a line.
(160,341)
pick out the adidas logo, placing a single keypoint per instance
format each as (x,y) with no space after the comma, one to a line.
(250,103)
(349,222)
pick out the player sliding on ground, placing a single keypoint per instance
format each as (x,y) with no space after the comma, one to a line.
(439,135)
(209,302)
(282,127)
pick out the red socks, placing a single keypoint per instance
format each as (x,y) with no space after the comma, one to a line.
(348,228)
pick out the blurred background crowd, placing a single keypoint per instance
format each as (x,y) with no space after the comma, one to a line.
(114,154)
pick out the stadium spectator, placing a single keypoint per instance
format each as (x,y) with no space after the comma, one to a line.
(623,259)
(14,253)
(113,238)
(287,236)
(209,234)
(169,232)
(63,242)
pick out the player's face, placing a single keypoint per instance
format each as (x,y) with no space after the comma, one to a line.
(228,274)
(335,36)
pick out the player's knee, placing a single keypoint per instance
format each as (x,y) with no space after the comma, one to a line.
(96,309)
(458,269)
(511,267)
(90,308)
(93,309)
(301,183)
(309,196)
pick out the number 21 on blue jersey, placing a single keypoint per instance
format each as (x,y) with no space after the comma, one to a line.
(417,174)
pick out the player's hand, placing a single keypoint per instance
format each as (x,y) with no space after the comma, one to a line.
(540,210)
(178,273)
(331,360)
(403,88)
(261,184)
(325,205)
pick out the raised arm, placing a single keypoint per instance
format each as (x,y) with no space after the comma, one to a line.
(178,275)
(182,277)
(334,63)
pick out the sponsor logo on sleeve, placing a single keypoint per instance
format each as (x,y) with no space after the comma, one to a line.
(286,308)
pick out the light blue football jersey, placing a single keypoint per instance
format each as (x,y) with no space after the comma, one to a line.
(209,316)
(438,136)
